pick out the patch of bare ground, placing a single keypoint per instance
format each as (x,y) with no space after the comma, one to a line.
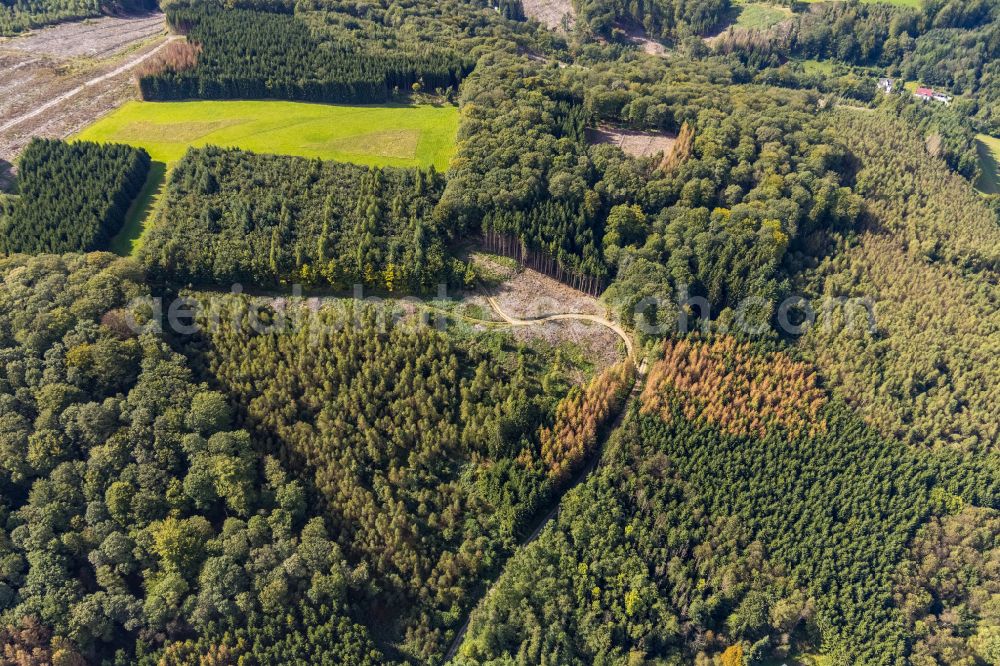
(553,14)
(633,142)
(649,46)
(94,38)
(529,295)
(637,35)
(598,344)
(48,89)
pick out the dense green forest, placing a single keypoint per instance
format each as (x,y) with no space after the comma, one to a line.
(951,45)
(964,62)
(428,453)
(322,50)
(18,16)
(929,258)
(698,539)
(349,471)
(868,33)
(758,177)
(72,197)
(231,216)
(660,18)
(248,54)
(139,524)
(320,480)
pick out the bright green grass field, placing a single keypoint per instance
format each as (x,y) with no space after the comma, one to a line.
(403,136)
(759,16)
(988,148)
(397,135)
(822,67)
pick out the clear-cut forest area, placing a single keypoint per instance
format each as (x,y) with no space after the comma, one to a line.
(499,333)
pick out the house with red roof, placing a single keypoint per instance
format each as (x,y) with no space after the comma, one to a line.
(928,94)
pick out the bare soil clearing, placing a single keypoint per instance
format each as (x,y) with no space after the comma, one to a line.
(598,343)
(93,38)
(649,46)
(533,307)
(553,14)
(634,143)
(637,35)
(530,295)
(49,89)
(541,307)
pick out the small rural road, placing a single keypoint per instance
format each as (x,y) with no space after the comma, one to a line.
(534,321)
(121,69)
(595,459)
(510,320)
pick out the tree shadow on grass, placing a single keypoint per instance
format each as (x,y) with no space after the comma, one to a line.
(989,178)
(8,181)
(140,212)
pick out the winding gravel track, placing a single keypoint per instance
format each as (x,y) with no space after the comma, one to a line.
(533,321)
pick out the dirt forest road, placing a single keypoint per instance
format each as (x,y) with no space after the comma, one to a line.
(553,512)
(534,321)
(595,459)
(58,80)
(128,66)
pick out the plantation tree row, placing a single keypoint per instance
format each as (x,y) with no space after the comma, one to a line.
(579,419)
(691,543)
(72,197)
(230,216)
(246,54)
(741,389)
